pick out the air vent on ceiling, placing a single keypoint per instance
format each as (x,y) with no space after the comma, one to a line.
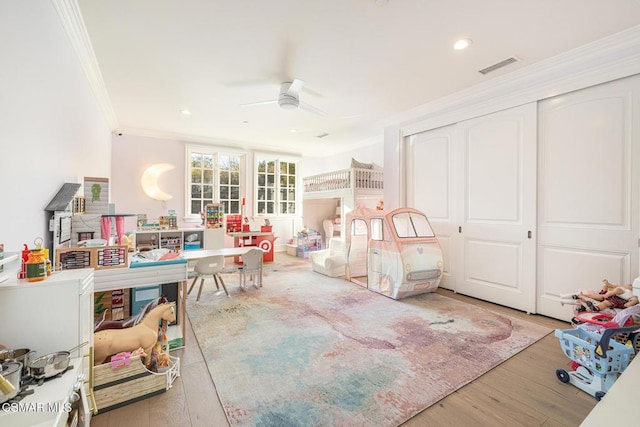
(322,135)
(500,64)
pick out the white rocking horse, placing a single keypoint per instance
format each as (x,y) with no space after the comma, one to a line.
(144,335)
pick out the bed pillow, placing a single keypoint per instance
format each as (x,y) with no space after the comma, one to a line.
(359,165)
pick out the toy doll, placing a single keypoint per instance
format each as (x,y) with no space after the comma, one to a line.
(609,296)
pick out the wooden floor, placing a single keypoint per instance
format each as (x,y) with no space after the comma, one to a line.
(522,391)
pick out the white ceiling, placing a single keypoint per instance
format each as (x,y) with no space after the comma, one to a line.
(362,63)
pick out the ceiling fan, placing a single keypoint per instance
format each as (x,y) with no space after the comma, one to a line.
(289,98)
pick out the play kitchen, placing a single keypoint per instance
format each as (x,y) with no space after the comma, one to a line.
(28,381)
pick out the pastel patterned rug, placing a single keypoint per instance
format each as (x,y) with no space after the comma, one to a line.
(309,350)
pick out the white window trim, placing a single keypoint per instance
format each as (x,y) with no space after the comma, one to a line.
(216,152)
(257,157)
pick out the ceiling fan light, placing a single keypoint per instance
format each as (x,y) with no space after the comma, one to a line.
(288,103)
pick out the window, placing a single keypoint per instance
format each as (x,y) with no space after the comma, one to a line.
(214,178)
(411,224)
(376,229)
(229,186)
(275,187)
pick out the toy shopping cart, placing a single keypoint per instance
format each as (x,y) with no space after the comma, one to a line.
(597,358)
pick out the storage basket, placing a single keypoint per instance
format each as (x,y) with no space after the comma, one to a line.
(583,347)
(114,388)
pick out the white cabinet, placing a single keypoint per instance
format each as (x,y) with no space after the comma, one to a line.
(55,314)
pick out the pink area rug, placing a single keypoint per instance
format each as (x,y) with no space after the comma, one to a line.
(309,350)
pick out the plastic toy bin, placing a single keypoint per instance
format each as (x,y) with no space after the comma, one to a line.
(583,347)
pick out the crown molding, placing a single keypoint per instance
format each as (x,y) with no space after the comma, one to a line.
(607,59)
(73,24)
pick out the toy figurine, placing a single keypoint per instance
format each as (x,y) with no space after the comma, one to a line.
(145,334)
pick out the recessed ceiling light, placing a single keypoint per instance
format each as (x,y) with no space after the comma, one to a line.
(293,130)
(462,44)
(185,112)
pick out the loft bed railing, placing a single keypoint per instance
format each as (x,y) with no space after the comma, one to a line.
(345,179)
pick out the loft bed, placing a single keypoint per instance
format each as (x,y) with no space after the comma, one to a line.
(330,195)
(351,180)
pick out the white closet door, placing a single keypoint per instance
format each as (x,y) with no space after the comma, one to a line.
(588,181)
(431,184)
(497,199)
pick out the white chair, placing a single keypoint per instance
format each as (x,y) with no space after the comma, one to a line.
(252,265)
(209,266)
(331,261)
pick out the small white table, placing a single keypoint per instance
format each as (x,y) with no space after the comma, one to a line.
(225,252)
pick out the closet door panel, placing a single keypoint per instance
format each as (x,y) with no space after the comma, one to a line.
(430,160)
(588,180)
(498,196)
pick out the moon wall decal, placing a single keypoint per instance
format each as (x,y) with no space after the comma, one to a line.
(149,181)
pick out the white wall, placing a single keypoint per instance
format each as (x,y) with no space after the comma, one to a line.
(130,156)
(52,128)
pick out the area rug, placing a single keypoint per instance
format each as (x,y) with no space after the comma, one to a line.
(309,350)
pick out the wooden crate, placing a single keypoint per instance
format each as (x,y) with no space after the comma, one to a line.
(99,257)
(114,388)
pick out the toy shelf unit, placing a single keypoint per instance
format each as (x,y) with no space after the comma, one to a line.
(182,239)
(214,215)
(307,243)
(597,359)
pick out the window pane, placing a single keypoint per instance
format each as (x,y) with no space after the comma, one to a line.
(271,167)
(235,178)
(235,193)
(270,194)
(283,167)
(224,192)
(207,161)
(195,207)
(270,207)
(196,160)
(224,177)
(271,179)
(283,181)
(196,176)
(292,208)
(196,192)
(208,176)
(235,207)
(292,168)
(261,207)
(261,180)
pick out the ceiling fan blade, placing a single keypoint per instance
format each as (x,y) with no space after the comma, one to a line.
(312,109)
(295,88)
(251,104)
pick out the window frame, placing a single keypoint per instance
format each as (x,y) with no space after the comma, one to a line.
(217,154)
(277,199)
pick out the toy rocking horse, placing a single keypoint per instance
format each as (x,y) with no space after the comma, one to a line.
(143,335)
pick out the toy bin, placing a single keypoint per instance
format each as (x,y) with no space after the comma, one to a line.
(597,359)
